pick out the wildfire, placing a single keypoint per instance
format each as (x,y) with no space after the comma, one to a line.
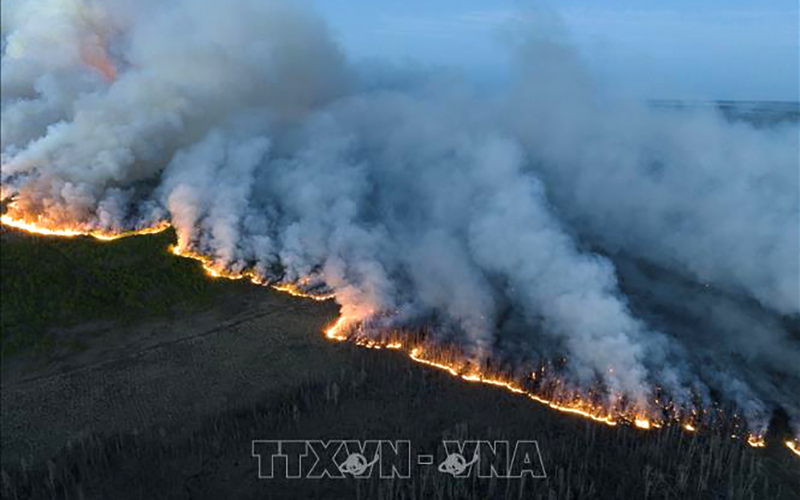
(94,46)
(334,332)
(209,267)
(756,441)
(566,403)
(215,271)
(296,292)
(212,269)
(71,232)
(578,407)
(373,344)
(96,57)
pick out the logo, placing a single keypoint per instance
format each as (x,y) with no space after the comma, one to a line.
(456,464)
(341,459)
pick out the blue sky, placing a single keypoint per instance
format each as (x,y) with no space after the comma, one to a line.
(702,49)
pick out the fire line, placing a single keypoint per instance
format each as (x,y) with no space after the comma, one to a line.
(337,332)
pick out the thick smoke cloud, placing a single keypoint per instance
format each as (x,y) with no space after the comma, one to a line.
(647,245)
(715,200)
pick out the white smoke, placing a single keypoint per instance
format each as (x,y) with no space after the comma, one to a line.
(715,200)
(414,197)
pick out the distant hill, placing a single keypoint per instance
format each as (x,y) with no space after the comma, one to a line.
(758,113)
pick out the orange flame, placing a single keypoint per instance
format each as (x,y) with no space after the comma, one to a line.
(334,332)
(215,271)
(756,441)
(794,446)
(294,291)
(71,232)
(580,408)
(94,46)
(96,56)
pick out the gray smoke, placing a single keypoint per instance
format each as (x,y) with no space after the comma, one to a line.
(650,246)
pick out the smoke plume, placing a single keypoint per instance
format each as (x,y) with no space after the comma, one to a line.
(648,245)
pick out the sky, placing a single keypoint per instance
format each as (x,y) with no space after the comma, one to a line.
(702,49)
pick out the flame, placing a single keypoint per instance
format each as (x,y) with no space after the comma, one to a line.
(96,57)
(362,342)
(71,232)
(756,441)
(212,269)
(209,267)
(334,332)
(95,41)
(565,403)
(297,292)
(415,354)
(215,271)
(578,407)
